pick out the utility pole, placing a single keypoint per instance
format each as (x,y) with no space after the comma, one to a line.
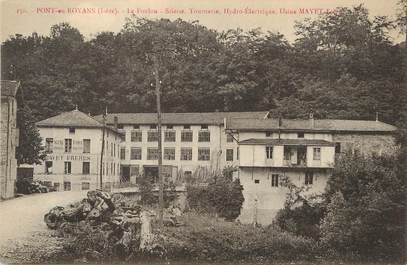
(101,153)
(160,160)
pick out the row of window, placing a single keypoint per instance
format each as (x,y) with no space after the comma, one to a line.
(170,136)
(68,186)
(287,153)
(169,127)
(204,154)
(275,179)
(49,146)
(109,168)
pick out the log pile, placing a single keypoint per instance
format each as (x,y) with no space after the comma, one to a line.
(112,221)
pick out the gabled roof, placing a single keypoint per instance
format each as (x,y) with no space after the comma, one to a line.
(307,125)
(308,142)
(75,119)
(9,88)
(211,118)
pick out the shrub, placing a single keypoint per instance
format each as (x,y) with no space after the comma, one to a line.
(366,209)
(222,196)
(208,238)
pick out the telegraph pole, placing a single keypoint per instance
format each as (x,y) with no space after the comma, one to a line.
(101,153)
(160,160)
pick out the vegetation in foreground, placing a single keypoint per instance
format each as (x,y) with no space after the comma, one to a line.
(362,214)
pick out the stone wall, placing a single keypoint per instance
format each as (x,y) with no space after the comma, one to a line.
(8,143)
(366,144)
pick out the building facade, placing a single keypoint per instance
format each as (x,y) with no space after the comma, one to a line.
(73,143)
(193,143)
(8,138)
(266,151)
(301,151)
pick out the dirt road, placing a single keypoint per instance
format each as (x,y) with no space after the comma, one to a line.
(21,221)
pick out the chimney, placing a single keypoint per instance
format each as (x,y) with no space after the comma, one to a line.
(116,121)
(311,119)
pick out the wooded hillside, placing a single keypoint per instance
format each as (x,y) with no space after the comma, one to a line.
(341,65)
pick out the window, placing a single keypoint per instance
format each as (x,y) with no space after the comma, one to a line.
(72,130)
(111,149)
(170,127)
(123,153)
(187,127)
(317,153)
(152,136)
(49,145)
(300,135)
(85,168)
(67,185)
(153,126)
(152,153)
(204,154)
(67,168)
(48,167)
(229,138)
(337,148)
(136,127)
(204,136)
(86,145)
(187,174)
(269,134)
(257,181)
(169,136)
(186,153)
(136,136)
(85,185)
(309,178)
(229,154)
(134,170)
(204,126)
(68,145)
(186,136)
(287,153)
(169,153)
(269,152)
(274,180)
(135,153)
(119,126)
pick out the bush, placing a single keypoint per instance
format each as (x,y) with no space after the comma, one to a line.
(366,208)
(222,196)
(149,192)
(208,238)
(303,220)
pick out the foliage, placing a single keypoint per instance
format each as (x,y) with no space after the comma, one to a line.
(337,74)
(366,208)
(149,191)
(302,213)
(30,149)
(222,196)
(208,238)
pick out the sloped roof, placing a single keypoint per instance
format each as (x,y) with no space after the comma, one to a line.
(306,125)
(213,118)
(9,88)
(74,118)
(253,141)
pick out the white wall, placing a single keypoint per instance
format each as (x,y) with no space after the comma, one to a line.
(271,199)
(77,157)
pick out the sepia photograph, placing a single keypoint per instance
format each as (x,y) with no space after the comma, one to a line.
(203,132)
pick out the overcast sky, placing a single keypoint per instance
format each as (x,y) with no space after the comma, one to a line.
(27,16)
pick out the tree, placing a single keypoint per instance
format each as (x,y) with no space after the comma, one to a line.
(366,198)
(30,149)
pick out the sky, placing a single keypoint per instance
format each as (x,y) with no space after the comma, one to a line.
(93,16)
